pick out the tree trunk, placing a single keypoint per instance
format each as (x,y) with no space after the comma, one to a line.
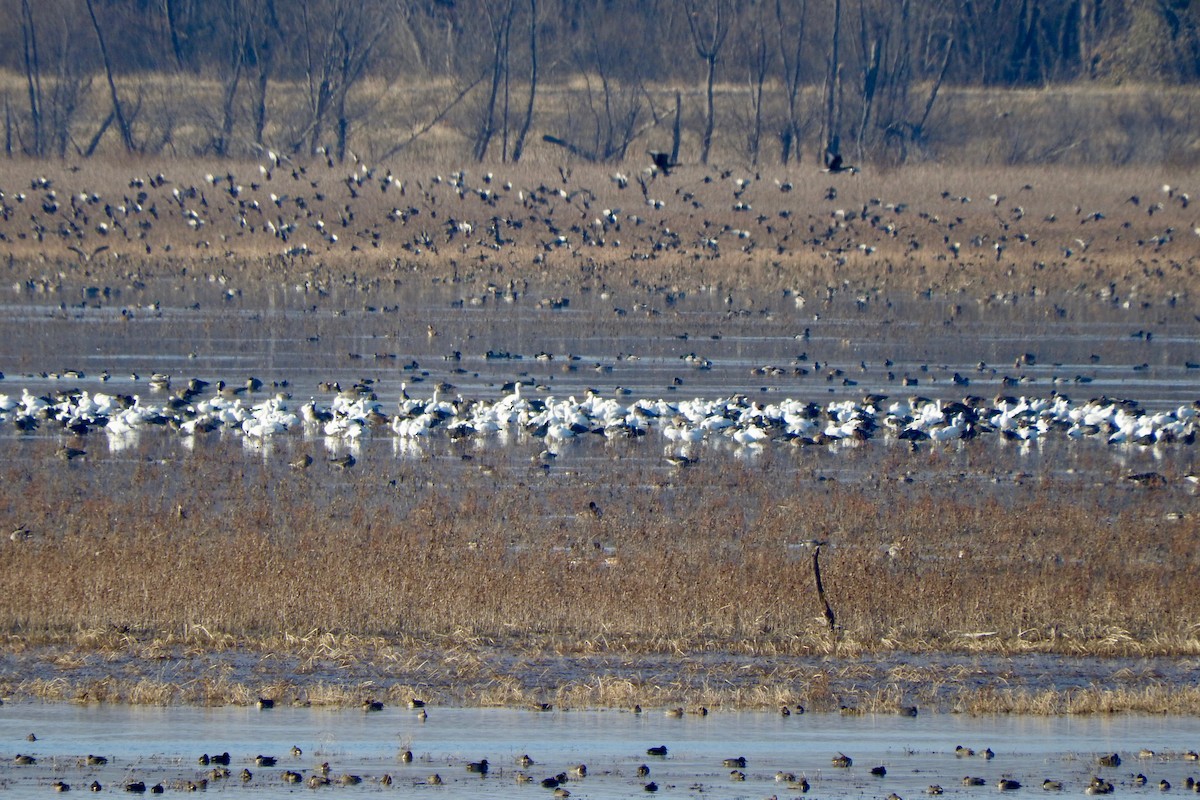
(69,91)
(260,106)
(343,127)
(264,62)
(706,142)
(94,142)
(432,121)
(832,79)
(8,139)
(260,100)
(318,86)
(676,129)
(1088,12)
(870,83)
(118,114)
(318,123)
(830,619)
(33,76)
(792,76)
(519,145)
(487,127)
(756,128)
(173,33)
(229,104)
(919,129)
(759,63)
(708,32)
(507,98)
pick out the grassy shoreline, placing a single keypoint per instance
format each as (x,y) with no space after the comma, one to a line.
(343,672)
(359,590)
(193,544)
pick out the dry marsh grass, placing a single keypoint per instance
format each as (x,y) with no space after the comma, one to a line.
(1082,124)
(283,567)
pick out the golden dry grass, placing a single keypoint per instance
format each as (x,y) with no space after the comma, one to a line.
(277,560)
(1082,124)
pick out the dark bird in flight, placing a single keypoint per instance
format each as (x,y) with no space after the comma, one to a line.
(834,163)
(662,161)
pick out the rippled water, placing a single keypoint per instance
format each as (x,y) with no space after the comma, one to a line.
(162,744)
(836,348)
(630,343)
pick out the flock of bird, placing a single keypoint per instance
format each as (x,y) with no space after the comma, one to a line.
(297,210)
(219,768)
(292,209)
(199,408)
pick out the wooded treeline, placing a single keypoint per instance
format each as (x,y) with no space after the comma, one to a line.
(305,76)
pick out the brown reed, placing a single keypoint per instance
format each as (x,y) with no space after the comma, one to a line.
(273,557)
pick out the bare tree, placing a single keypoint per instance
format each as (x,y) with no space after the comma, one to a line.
(339,42)
(263,43)
(33,77)
(871,46)
(791,43)
(890,114)
(756,52)
(500,18)
(170,14)
(604,121)
(519,146)
(708,21)
(833,77)
(434,119)
(8,128)
(234,43)
(243,45)
(72,85)
(677,128)
(118,111)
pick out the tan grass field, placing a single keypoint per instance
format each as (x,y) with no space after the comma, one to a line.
(414,118)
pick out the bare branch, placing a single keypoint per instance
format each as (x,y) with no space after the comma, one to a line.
(434,120)
(122,123)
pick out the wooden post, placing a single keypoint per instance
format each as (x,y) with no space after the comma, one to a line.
(7,128)
(829,618)
(675,132)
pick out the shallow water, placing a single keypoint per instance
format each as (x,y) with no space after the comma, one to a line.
(629,343)
(285,335)
(162,744)
(477,340)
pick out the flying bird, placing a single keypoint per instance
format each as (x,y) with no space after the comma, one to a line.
(834,163)
(84,256)
(662,161)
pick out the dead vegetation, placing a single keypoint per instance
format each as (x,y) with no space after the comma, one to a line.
(211,559)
